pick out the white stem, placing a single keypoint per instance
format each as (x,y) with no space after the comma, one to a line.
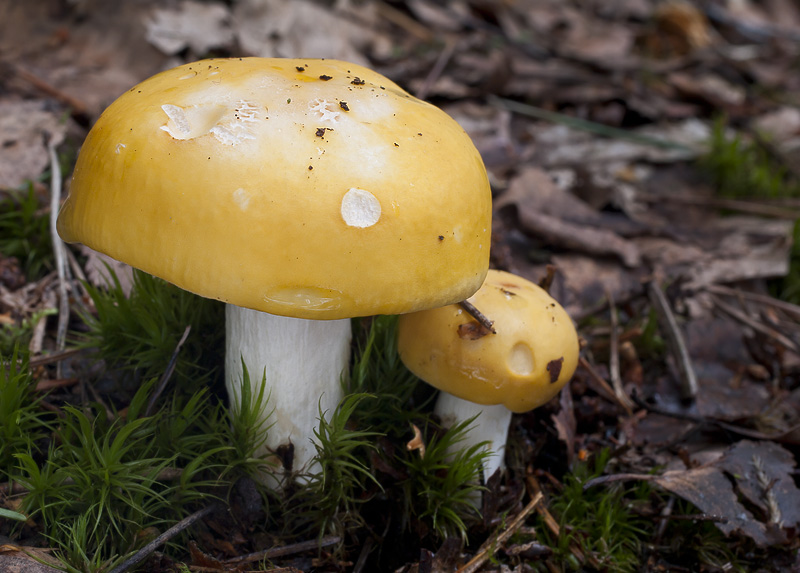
(304,361)
(491,426)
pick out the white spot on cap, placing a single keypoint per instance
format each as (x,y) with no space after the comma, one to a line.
(360,208)
(178,126)
(119,146)
(242,198)
(520,359)
(230,124)
(326,110)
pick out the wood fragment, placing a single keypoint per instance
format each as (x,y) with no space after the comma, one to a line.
(79,110)
(284,550)
(183,524)
(783,305)
(59,251)
(675,341)
(601,386)
(478,315)
(755,325)
(438,67)
(162,383)
(498,540)
(613,360)
(547,279)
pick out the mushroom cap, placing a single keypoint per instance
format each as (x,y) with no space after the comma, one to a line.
(305,188)
(531,357)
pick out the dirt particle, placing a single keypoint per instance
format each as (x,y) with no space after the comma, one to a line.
(472,330)
(554,368)
(344,106)
(358,81)
(325,77)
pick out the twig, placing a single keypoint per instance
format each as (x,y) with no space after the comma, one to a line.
(601,386)
(58,251)
(587,126)
(145,551)
(701,420)
(54,357)
(547,279)
(79,111)
(162,383)
(284,550)
(366,549)
(478,315)
(675,341)
(438,67)
(613,359)
(742,206)
(666,513)
(787,307)
(402,20)
(496,541)
(755,325)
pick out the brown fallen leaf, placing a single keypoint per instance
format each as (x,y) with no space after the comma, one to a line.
(21,559)
(416,443)
(760,471)
(562,219)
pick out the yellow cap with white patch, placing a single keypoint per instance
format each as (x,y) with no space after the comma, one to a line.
(523,365)
(307,188)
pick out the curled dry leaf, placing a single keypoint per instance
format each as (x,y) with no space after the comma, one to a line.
(200,26)
(25,127)
(416,443)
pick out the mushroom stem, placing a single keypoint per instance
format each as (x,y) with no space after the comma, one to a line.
(303,360)
(490,426)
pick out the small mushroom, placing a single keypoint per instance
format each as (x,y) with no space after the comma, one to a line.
(532,355)
(213,176)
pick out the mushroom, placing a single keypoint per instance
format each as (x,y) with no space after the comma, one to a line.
(532,355)
(302,193)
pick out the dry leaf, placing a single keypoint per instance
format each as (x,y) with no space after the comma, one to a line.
(562,219)
(25,128)
(416,443)
(200,26)
(299,28)
(97,270)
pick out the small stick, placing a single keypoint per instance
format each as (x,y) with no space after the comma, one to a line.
(613,360)
(79,110)
(145,551)
(599,385)
(478,315)
(59,251)
(666,319)
(755,325)
(496,541)
(547,279)
(162,383)
(284,550)
(787,307)
(438,68)
(54,357)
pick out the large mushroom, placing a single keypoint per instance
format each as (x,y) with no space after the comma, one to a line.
(302,193)
(486,375)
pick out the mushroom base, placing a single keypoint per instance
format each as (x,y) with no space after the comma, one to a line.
(491,426)
(302,361)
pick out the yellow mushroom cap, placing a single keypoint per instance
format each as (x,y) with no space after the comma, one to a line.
(306,188)
(531,357)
